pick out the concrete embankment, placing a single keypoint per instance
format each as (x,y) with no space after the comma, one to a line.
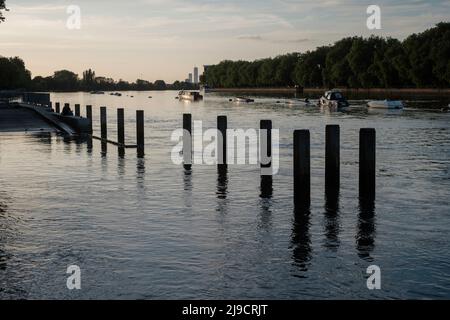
(17,119)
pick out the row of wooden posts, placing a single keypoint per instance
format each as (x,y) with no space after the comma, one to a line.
(302,159)
(302,155)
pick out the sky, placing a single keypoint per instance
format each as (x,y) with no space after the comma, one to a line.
(165,39)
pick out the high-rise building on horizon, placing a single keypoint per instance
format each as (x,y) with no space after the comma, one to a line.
(195,75)
(190,77)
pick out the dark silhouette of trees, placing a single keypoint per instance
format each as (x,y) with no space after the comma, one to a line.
(64,80)
(421,60)
(160,85)
(2,8)
(13,74)
(88,81)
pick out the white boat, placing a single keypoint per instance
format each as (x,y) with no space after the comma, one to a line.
(333,99)
(386,104)
(301,103)
(190,95)
(243,99)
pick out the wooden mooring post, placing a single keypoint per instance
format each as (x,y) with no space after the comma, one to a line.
(121,131)
(222,142)
(302,170)
(187,141)
(57,107)
(121,126)
(103,130)
(332,161)
(265,145)
(367,163)
(140,133)
(103,124)
(265,158)
(89,116)
(77,110)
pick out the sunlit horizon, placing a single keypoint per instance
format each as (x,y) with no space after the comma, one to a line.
(156,39)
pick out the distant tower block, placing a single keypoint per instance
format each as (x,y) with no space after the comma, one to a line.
(190,78)
(195,75)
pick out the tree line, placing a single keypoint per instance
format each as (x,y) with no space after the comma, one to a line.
(421,60)
(14,75)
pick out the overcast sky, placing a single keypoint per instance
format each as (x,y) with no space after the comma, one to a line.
(165,39)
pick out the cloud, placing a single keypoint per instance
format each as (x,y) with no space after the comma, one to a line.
(187,32)
(272,40)
(250,37)
(301,40)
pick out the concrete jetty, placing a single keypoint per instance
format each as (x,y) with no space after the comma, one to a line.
(18,119)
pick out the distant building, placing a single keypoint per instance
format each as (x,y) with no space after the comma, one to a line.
(190,78)
(195,75)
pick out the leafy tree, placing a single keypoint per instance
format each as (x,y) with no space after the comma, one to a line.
(88,81)
(284,74)
(65,80)
(143,85)
(13,74)
(265,72)
(160,85)
(309,68)
(2,8)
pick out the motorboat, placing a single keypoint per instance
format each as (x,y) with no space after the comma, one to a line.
(243,99)
(97,92)
(190,95)
(386,104)
(334,99)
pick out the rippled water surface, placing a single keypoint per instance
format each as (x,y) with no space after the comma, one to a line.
(145,228)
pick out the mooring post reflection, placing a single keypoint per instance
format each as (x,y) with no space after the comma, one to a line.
(43,137)
(365,238)
(332,220)
(89,143)
(301,238)
(104,148)
(140,172)
(222,181)
(187,180)
(121,167)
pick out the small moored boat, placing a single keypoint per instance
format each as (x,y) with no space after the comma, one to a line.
(386,104)
(300,103)
(334,99)
(190,95)
(243,99)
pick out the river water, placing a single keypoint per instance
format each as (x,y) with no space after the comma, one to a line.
(146,229)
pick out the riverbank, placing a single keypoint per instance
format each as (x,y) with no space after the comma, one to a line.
(390,91)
